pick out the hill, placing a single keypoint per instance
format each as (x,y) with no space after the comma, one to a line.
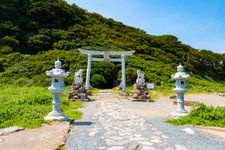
(34,33)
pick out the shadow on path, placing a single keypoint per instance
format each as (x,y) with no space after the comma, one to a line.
(82,123)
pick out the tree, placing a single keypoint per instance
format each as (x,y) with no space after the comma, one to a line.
(52,13)
(39,42)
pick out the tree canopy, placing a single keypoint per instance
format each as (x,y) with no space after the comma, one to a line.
(34,33)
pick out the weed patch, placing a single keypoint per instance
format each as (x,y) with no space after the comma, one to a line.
(27,106)
(203,115)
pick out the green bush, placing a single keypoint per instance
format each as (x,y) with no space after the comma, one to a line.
(203,115)
(9,41)
(106,69)
(5,50)
(98,81)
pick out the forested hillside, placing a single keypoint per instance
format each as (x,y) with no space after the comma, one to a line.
(34,33)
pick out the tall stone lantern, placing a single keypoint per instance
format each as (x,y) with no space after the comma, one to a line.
(180,89)
(57,87)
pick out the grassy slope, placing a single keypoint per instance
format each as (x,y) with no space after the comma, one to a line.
(27,106)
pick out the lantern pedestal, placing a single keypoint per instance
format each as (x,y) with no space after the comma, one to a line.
(56,113)
(56,116)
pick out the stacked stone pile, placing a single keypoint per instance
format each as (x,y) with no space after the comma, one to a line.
(140,90)
(78,90)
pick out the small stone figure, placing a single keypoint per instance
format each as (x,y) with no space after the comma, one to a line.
(140,77)
(78,77)
(140,90)
(120,85)
(78,90)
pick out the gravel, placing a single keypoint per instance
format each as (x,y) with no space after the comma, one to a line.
(113,124)
(198,140)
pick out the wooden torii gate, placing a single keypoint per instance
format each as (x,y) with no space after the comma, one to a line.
(106,57)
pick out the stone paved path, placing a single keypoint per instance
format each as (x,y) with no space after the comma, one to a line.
(107,125)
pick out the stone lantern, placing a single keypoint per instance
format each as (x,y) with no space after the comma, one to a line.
(180,89)
(57,87)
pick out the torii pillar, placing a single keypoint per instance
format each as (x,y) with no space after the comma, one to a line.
(88,73)
(124,91)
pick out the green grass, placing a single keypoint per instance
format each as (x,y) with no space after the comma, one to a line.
(154,93)
(129,89)
(27,106)
(202,115)
(61,147)
(94,91)
(196,85)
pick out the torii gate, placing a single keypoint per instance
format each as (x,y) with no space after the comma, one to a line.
(106,57)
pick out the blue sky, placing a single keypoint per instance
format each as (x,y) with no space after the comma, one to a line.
(198,23)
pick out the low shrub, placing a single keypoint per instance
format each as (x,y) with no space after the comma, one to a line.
(202,115)
(98,81)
